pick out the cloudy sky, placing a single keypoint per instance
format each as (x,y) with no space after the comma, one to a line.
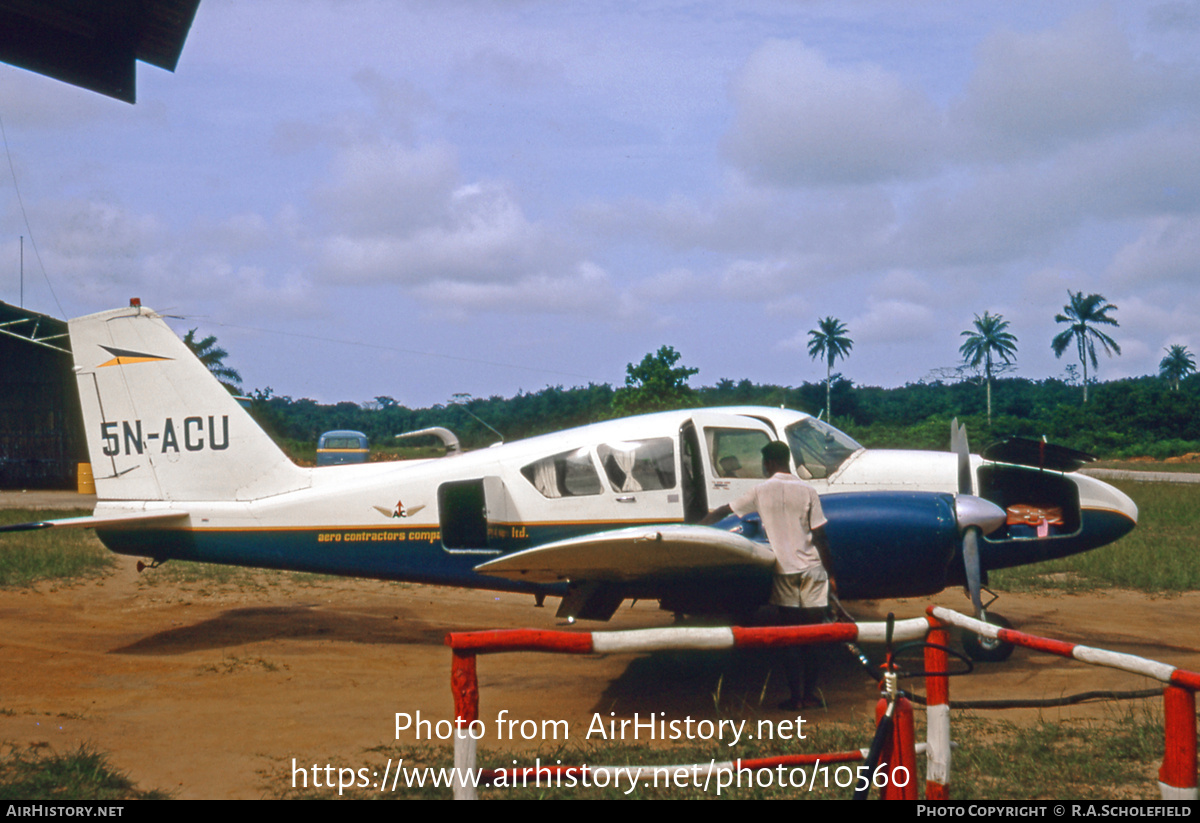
(418,199)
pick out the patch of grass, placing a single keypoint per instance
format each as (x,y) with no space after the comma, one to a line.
(1161,555)
(189,575)
(204,578)
(1113,758)
(229,665)
(49,554)
(76,554)
(84,774)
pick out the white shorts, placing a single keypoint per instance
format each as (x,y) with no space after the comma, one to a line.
(805,590)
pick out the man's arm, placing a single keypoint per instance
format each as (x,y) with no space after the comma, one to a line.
(743,506)
(717,515)
(821,542)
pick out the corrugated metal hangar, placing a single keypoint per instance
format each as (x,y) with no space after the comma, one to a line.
(41,429)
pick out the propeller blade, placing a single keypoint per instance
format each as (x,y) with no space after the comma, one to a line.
(970,547)
(958,445)
(975,516)
(979,647)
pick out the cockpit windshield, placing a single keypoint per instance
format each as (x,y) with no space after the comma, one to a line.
(819,447)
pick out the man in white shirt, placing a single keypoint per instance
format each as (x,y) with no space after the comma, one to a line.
(795,525)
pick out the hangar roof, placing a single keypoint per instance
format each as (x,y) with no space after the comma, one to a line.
(31,327)
(94,44)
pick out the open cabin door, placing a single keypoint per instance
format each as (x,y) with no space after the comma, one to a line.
(730,447)
(472,515)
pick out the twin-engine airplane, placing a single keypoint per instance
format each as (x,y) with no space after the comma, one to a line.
(595,514)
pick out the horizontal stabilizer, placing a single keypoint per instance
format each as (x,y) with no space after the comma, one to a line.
(98,521)
(632,554)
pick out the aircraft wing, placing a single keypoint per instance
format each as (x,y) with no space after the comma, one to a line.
(98,521)
(632,554)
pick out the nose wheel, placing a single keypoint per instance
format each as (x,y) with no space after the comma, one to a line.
(988,649)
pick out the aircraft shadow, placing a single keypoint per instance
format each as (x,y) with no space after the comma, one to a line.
(245,626)
(731,682)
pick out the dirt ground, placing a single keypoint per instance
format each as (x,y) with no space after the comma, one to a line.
(210,690)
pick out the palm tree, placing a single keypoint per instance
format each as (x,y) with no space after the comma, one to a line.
(1177,365)
(213,357)
(829,340)
(989,338)
(1083,313)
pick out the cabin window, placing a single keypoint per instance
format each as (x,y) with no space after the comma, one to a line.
(819,447)
(570,474)
(639,465)
(736,452)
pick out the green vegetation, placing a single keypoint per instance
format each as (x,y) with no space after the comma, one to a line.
(989,340)
(77,554)
(231,665)
(208,578)
(1124,418)
(213,357)
(84,774)
(204,577)
(1136,417)
(1160,556)
(1083,314)
(655,384)
(1116,758)
(830,341)
(49,554)
(1177,365)
(1113,758)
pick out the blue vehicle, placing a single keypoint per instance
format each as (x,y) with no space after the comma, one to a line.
(337,447)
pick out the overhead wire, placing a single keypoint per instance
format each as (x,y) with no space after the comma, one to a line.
(25,216)
(384,347)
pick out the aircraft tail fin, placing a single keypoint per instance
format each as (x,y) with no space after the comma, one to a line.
(159,426)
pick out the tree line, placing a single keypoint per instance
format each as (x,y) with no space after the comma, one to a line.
(1121,418)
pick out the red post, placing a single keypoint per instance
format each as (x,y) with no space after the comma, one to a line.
(465,686)
(901,753)
(937,716)
(1177,777)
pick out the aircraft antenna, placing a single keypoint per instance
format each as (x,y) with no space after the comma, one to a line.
(461,399)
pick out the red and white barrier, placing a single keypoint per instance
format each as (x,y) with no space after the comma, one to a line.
(1177,777)
(467,645)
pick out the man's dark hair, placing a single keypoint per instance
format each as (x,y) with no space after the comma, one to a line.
(777,453)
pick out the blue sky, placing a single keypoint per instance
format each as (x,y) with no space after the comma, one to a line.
(417,199)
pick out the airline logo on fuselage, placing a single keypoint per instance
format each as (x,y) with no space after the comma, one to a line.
(192,434)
